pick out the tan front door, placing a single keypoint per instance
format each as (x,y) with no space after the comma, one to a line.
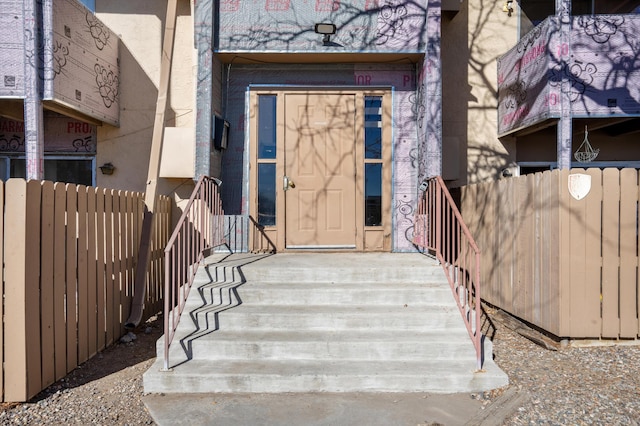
(320,170)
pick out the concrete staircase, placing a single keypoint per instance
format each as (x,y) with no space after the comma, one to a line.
(310,322)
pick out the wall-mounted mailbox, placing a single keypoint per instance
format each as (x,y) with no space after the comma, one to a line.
(220,133)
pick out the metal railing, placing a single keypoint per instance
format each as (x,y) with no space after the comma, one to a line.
(439,228)
(200,228)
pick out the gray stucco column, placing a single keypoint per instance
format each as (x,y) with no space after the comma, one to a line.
(432,98)
(565,127)
(203,33)
(33,116)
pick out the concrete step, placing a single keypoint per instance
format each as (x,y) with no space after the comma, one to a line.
(342,317)
(272,376)
(309,322)
(345,267)
(301,293)
(332,345)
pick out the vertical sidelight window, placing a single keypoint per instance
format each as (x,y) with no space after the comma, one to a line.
(373,127)
(373,160)
(373,194)
(266,160)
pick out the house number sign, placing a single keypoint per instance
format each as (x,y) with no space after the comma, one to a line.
(579,185)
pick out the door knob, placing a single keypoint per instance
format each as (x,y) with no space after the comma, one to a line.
(287,183)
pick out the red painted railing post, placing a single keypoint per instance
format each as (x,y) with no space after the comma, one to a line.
(185,250)
(449,237)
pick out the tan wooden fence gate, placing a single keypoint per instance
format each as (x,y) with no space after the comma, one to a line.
(69,254)
(568,265)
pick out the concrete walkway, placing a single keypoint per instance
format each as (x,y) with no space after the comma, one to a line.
(371,409)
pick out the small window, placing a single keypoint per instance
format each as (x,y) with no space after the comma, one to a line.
(267,194)
(373,194)
(373,127)
(267,127)
(68,170)
(266,152)
(373,161)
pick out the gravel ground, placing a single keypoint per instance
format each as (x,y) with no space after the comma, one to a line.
(568,386)
(106,390)
(596,385)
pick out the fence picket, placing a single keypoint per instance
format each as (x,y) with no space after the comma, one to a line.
(562,251)
(47,283)
(83,287)
(117,277)
(628,254)
(551,241)
(71,278)
(575,261)
(128,254)
(537,308)
(592,253)
(528,270)
(59,279)
(610,234)
(109,278)
(124,283)
(100,269)
(32,286)
(15,361)
(523,240)
(92,296)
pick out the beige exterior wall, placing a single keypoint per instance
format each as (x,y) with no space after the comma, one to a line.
(140,26)
(472,40)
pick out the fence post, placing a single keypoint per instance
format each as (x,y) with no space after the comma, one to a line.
(22,366)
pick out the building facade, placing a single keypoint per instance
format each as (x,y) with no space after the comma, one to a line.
(323,117)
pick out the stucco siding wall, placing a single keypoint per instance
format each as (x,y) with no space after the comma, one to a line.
(491,32)
(288,26)
(405,164)
(140,26)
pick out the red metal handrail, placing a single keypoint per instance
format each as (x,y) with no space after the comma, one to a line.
(200,228)
(439,228)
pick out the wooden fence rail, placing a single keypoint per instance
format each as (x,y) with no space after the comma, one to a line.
(69,254)
(567,264)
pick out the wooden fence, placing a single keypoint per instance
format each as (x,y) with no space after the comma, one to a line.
(69,260)
(566,264)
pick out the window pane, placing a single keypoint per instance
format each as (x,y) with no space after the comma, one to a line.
(4,162)
(373,127)
(581,7)
(18,168)
(267,126)
(79,172)
(373,194)
(267,194)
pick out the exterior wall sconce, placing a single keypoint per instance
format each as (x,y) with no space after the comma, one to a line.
(327,30)
(508,7)
(107,169)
